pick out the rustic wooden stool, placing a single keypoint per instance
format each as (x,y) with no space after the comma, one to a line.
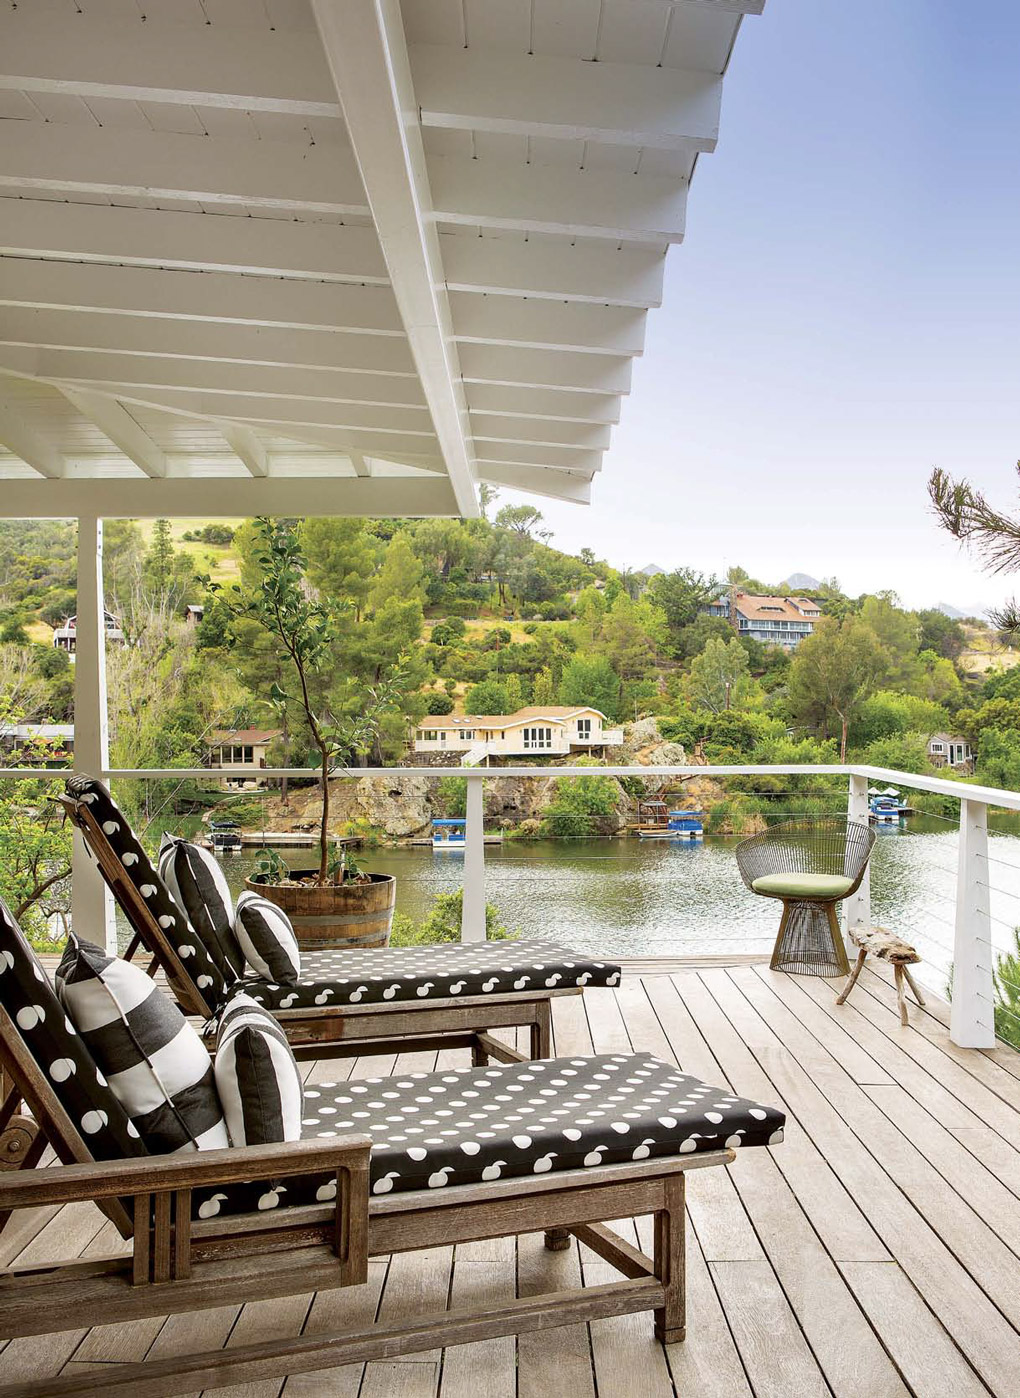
(880,942)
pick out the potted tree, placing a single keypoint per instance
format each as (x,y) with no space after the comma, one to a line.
(337,904)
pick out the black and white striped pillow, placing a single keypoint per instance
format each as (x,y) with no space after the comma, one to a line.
(199,887)
(154,1061)
(265,935)
(257,1076)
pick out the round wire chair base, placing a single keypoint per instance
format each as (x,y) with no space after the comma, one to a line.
(809,942)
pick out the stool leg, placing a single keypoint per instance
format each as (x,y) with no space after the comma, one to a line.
(774,964)
(852,981)
(557,1239)
(842,964)
(913,987)
(898,976)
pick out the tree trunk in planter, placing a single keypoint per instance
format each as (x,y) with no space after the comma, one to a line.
(335,915)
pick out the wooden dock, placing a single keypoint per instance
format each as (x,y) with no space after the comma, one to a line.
(874,1254)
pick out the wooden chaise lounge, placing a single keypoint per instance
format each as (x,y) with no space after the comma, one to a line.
(558,1146)
(346,1002)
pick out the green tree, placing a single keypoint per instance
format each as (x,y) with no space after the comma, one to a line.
(941,634)
(582,806)
(489,697)
(523,520)
(590,680)
(543,690)
(719,677)
(627,637)
(168,576)
(897,632)
(342,557)
(681,594)
(833,671)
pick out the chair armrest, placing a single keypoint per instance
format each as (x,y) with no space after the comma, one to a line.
(154,1174)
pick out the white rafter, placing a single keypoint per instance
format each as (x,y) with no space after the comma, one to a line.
(366,51)
(243,442)
(17,436)
(115,422)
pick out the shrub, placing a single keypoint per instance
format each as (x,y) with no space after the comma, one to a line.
(582,806)
(442,923)
(438,703)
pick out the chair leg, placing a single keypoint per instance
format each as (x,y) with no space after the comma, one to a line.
(541,1031)
(900,998)
(842,964)
(774,964)
(913,987)
(671,1264)
(858,968)
(479,1058)
(557,1239)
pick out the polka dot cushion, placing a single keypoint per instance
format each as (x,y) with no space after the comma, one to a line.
(58,1050)
(463,1126)
(445,971)
(204,971)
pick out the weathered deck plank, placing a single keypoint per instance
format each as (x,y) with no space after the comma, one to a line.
(876,1253)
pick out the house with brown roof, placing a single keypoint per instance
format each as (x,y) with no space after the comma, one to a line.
(774,621)
(243,751)
(546,730)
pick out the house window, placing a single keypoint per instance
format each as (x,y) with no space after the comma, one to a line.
(584,729)
(537,738)
(429,735)
(468,733)
(249,753)
(938,747)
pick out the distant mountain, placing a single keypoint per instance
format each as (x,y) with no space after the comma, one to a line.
(958,613)
(801,582)
(650,570)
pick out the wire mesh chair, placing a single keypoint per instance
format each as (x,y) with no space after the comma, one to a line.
(810,865)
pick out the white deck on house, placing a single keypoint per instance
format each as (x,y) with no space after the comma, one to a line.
(876,1252)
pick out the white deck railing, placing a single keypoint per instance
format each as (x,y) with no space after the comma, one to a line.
(972,1019)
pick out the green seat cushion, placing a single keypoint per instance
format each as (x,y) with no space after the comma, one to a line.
(825,886)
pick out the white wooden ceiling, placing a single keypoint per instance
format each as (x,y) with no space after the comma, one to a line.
(334,256)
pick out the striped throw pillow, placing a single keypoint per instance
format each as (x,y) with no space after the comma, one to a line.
(265,935)
(154,1061)
(199,887)
(257,1076)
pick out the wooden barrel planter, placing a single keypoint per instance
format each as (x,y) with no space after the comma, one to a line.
(344,915)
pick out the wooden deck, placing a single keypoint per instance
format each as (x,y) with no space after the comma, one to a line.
(875,1253)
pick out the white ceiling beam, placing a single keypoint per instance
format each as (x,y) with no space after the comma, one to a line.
(206,296)
(590,203)
(367,54)
(137,371)
(564,98)
(248,449)
(268,247)
(115,422)
(117,163)
(585,373)
(557,404)
(542,432)
(584,459)
(228,496)
(213,65)
(367,356)
(17,436)
(547,325)
(736,7)
(573,486)
(560,271)
(362,466)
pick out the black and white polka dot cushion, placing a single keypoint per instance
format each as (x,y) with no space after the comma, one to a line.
(447,970)
(58,1050)
(463,1126)
(139,869)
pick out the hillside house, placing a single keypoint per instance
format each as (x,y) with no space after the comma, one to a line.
(774,621)
(950,750)
(550,730)
(243,751)
(37,744)
(66,637)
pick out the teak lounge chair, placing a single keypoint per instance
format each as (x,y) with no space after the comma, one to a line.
(346,1002)
(605,1138)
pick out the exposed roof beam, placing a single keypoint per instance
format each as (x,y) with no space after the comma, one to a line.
(24,442)
(120,164)
(541,95)
(606,276)
(485,427)
(367,54)
(525,454)
(215,296)
(591,203)
(574,486)
(136,371)
(558,404)
(362,466)
(586,373)
(215,65)
(243,442)
(736,7)
(270,495)
(365,355)
(547,325)
(267,247)
(116,422)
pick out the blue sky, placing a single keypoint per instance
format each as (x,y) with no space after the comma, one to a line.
(842,315)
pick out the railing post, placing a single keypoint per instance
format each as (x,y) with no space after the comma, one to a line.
(972,1021)
(472,921)
(91,904)
(857,908)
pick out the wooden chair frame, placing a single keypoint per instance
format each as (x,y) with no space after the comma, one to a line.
(337,1031)
(178,1264)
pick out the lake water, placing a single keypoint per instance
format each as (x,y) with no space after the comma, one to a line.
(630,897)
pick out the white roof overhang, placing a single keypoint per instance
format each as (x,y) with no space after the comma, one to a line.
(334,256)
